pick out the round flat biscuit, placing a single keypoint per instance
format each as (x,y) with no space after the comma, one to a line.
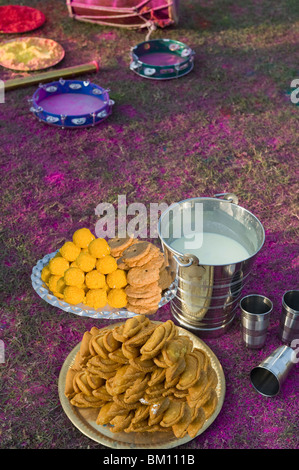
(121,264)
(142,289)
(144,292)
(152,253)
(140,310)
(166,277)
(118,245)
(118,254)
(156,262)
(141,276)
(135,252)
(154,300)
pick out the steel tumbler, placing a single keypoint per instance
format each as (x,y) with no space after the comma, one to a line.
(255,316)
(268,377)
(289,320)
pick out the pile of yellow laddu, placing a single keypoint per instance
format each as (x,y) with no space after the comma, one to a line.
(84,271)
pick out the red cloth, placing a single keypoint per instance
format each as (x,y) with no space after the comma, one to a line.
(19,19)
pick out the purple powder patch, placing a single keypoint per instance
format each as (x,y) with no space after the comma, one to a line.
(71,104)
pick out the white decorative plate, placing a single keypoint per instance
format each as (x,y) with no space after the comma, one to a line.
(82,310)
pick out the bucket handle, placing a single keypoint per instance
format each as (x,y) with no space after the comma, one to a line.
(191,260)
(230,197)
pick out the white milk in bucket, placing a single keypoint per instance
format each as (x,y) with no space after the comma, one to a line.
(211,248)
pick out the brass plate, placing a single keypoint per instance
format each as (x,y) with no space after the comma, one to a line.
(29,54)
(85,418)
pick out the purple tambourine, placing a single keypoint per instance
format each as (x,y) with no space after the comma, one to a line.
(71,103)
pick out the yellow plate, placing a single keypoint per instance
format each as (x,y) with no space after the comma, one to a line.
(28,54)
(85,418)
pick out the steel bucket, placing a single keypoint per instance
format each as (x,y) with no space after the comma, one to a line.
(208,295)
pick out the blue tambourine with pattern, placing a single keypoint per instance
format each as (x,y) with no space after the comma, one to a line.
(71,103)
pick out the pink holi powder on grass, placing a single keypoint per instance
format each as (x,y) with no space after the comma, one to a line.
(110,36)
(272,429)
(118,129)
(22,296)
(128,110)
(71,104)
(55,178)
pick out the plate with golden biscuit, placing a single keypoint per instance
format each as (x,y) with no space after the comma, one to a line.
(108,279)
(141,384)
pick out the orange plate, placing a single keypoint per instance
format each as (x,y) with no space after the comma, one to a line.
(20,19)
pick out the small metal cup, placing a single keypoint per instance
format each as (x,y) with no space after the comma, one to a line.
(289,320)
(268,377)
(255,316)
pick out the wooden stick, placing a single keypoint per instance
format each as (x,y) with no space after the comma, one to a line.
(50,76)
